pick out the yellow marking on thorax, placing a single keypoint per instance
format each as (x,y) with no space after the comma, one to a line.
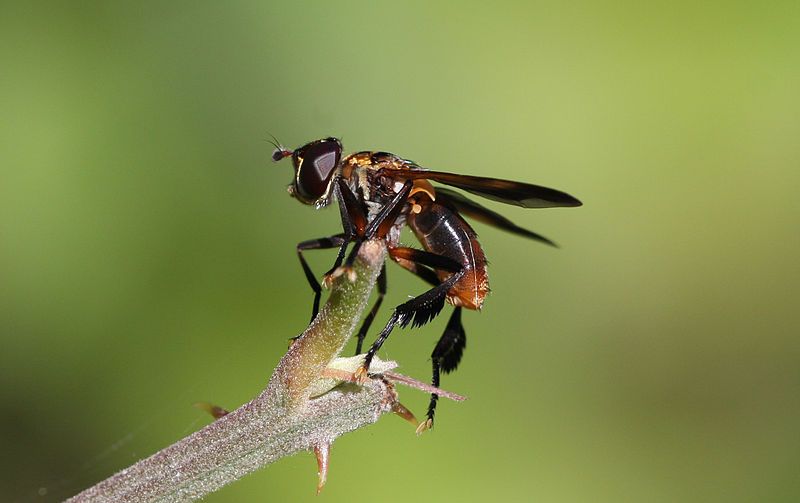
(425,187)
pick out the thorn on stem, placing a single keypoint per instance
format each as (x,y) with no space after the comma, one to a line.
(401,410)
(214,410)
(322,452)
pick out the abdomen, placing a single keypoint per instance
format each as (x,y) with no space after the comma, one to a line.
(444,232)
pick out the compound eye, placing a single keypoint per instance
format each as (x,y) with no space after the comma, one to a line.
(315,164)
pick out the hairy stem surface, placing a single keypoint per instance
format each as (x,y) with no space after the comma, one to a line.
(281,421)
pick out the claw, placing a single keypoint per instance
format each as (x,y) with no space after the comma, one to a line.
(361,375)
(322,452)
(424,426)
(348,271)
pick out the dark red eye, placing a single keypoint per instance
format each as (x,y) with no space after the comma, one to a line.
(314,165)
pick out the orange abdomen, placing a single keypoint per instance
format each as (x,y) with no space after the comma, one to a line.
(443,231)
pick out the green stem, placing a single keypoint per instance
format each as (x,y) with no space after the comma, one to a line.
(327,335)
(281,421)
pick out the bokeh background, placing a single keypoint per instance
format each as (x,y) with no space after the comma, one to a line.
(147,242)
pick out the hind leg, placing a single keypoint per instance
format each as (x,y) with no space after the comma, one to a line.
(420,309)
(448,351)
(445,358)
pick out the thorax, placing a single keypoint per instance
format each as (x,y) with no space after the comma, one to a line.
(363,173)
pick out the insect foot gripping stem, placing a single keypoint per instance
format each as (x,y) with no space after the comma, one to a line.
(344,270)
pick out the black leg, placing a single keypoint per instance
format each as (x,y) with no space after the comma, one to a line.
(423,308)
(448,351)
(362,332)
(383,221)
(317,244)
(354,219)
(452,343)
(446,356)
(339,257)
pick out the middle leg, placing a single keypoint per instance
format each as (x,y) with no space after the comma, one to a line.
(362,332)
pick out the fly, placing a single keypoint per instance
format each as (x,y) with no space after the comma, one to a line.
(379,193)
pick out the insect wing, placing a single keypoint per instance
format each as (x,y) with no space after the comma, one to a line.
(471,209)
(505,191)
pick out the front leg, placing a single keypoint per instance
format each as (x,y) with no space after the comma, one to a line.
(354,223)
(318,244)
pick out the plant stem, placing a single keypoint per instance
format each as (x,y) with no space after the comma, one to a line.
(281,421)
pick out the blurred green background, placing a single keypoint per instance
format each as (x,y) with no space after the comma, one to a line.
(147,242)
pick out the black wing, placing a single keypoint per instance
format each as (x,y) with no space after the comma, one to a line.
(482,214)
(505,191)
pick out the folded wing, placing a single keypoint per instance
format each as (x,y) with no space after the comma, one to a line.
(471,209)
